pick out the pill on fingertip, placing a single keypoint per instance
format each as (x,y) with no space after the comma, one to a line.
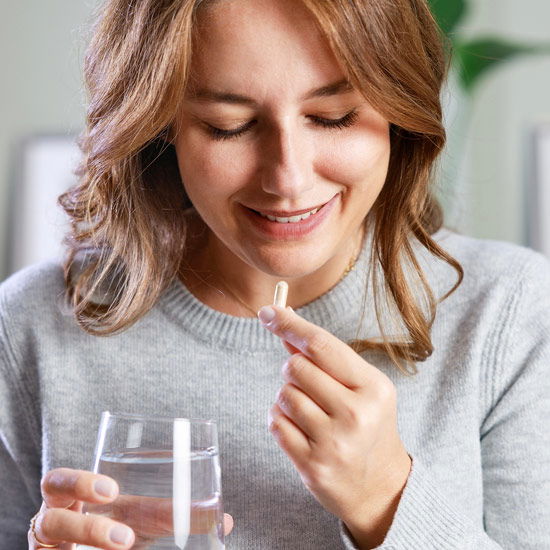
(281,294)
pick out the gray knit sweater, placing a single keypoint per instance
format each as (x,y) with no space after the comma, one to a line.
(475,419)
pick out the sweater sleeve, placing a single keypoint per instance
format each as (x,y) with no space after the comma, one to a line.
(16,506)
(514,442)
(515,434)
(19,452)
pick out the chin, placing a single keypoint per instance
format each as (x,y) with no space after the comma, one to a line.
(291,264)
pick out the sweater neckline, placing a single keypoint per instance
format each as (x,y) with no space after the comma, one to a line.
(334,310)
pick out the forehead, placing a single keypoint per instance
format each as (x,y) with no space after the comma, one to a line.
(251,45)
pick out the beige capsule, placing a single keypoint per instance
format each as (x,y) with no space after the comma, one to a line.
(281,294)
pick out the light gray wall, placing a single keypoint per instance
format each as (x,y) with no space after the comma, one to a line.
(495,124)
(41,50)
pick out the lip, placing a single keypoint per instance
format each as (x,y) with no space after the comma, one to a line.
(282,214)
(288,231)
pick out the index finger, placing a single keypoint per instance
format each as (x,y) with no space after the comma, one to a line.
(329,353)
(63,486)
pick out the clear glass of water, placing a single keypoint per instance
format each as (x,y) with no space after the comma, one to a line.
(169,476)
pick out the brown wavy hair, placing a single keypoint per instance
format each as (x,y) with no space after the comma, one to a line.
(128,228)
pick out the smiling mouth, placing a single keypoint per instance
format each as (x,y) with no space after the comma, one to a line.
(289,217)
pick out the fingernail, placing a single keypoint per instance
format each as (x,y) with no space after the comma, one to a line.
(120,535)
(105,488)
(266,315)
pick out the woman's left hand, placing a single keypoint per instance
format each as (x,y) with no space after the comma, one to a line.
(336,419)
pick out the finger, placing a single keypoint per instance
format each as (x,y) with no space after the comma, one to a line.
(55,525)
(154,516)
(289,436)
(289,347)
(304,412)
(323,389)
(63,486)
(227,524)
(324,349)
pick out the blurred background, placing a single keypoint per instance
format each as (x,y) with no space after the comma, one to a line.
(494,178)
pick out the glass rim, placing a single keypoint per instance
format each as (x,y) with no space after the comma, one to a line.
(152,418)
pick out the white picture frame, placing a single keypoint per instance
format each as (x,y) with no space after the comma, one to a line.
(538,207)
(37,224)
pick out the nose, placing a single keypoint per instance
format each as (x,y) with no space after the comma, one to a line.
(286,168)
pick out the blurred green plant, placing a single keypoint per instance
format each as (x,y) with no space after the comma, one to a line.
(474,58)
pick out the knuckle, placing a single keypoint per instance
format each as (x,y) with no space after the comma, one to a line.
(295,365)
(284,398)
(385,392)
(275,425)
(44,483)
(317,474)
(352,414)
(318,344)
(338,447)
(52,481)
(282,437)
(47,524)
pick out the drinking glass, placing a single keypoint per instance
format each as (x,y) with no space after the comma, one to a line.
(169,477)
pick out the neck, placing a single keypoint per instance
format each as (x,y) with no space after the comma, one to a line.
(227,283)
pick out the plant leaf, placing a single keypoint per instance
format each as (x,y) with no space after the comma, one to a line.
(476,57)
(448,13)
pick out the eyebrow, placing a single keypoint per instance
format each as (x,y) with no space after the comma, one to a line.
(205,95)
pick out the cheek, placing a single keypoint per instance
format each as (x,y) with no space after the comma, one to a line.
(361,158)
(208,169)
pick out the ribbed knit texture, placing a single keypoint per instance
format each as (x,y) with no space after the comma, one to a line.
(475,419)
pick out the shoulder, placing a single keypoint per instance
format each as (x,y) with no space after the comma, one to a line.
(490,265)
(32,307)
(501,254)
(33,290)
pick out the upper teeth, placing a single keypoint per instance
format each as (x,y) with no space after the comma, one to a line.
(291,219)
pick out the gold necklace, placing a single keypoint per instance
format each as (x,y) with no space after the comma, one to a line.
(350,267)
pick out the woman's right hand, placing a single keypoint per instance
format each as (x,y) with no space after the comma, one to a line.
(61,521)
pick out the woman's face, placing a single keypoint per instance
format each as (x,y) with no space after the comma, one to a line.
(269,127)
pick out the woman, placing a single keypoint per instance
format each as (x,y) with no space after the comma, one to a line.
(231,145)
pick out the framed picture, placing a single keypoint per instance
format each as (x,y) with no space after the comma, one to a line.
(538,210)
(37,225)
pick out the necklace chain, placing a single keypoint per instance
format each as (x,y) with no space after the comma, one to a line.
(349,268)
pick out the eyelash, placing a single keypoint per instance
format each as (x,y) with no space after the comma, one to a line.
(337,124)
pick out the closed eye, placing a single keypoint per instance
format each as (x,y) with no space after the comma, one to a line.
(332,124)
